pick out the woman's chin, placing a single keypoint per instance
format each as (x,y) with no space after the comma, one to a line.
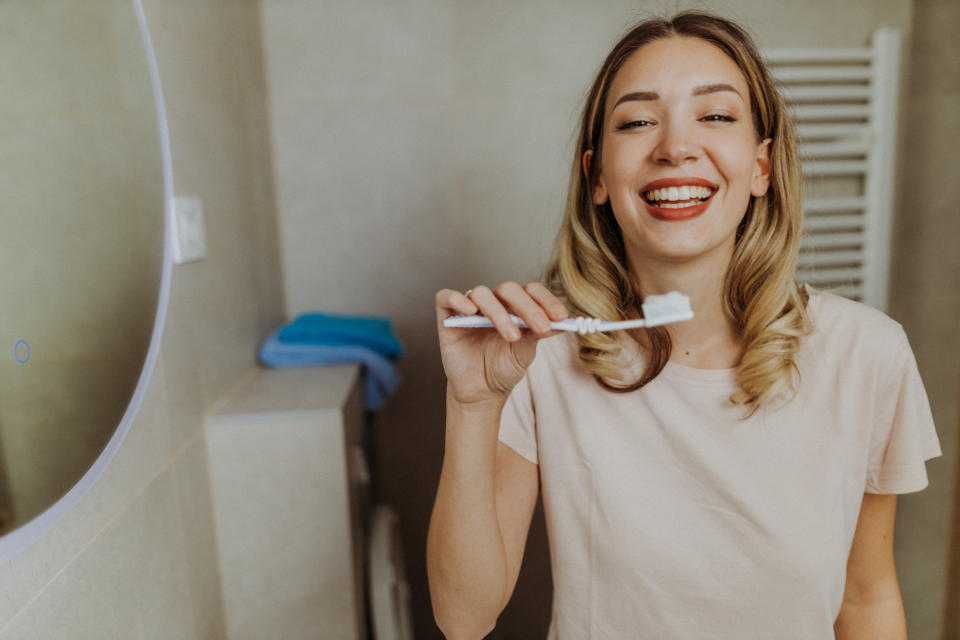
(685,250)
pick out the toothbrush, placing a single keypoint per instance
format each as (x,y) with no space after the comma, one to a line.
(657,310)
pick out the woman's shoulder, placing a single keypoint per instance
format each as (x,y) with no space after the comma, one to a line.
(556,351)
(841,324)
(558,361)
(829,309)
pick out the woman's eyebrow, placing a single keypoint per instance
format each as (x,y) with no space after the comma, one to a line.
(637,95)
(713,88)
(647,96)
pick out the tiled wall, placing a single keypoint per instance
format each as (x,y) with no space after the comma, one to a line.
(137,557)
(425,144)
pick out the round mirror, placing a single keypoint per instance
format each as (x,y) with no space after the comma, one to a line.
(84,187)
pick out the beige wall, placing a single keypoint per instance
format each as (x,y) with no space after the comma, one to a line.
(425,145)
(925,296)
(137,557)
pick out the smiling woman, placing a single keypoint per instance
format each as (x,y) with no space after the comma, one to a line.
(696,106)
(727,476)
(695,132)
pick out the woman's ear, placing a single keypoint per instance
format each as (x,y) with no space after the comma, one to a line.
(598,190)
(761,169)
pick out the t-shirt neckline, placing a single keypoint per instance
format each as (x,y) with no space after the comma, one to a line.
(729,375)
(682,371)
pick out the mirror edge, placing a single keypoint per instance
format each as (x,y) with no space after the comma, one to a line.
(22,537)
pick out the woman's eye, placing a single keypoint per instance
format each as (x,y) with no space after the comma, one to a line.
(718,117)
(634,124)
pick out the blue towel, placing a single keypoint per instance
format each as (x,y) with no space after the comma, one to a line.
(380,375)
(332,329)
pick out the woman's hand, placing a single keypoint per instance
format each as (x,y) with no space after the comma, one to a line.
(483,365)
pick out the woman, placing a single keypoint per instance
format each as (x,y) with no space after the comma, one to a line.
(728,477)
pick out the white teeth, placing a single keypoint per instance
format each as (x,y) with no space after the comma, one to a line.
(678,194)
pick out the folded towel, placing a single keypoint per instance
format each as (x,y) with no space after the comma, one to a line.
(380,375)
(332,329)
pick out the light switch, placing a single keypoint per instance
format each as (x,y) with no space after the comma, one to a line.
(190,238)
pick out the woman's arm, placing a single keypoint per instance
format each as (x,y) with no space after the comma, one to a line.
(479,525)
(487,492)
(872,607)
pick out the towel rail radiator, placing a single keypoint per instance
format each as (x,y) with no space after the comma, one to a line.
(844,103)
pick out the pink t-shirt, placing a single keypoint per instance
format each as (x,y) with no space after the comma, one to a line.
(671,517)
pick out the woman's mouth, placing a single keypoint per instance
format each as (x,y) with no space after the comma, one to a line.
(677,202)
(678,197)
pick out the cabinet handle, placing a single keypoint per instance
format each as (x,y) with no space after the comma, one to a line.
(360,464)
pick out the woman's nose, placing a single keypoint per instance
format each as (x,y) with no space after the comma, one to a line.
(675,146)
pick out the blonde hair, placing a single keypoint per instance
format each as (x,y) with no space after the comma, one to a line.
(767,307)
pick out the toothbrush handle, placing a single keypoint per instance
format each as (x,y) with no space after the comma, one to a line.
(479,322)
(578,325)
(482,322)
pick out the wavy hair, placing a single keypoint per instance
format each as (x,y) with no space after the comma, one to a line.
(762,298)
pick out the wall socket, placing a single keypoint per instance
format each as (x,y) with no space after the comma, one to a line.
(189,238)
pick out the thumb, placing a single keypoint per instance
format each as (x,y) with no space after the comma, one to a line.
(525,349)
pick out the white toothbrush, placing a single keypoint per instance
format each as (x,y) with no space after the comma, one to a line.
(657,310)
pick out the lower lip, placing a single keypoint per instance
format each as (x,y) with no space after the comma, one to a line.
(672,215)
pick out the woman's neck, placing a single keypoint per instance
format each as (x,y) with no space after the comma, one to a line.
(709,340)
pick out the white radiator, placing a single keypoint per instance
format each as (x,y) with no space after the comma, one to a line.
(844,102)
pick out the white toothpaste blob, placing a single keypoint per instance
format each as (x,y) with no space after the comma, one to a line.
(662,309)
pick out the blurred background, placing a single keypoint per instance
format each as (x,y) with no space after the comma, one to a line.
(357,156)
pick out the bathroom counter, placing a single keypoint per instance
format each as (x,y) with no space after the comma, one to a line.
(266,391)
(290,490)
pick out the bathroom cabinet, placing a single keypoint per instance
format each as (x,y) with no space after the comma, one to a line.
(290,491)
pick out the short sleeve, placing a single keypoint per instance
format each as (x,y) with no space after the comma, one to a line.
(903,437)
(518,421)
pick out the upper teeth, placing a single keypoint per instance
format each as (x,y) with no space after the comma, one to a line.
(686,192)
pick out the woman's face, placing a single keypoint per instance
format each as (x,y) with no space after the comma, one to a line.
(680,157)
